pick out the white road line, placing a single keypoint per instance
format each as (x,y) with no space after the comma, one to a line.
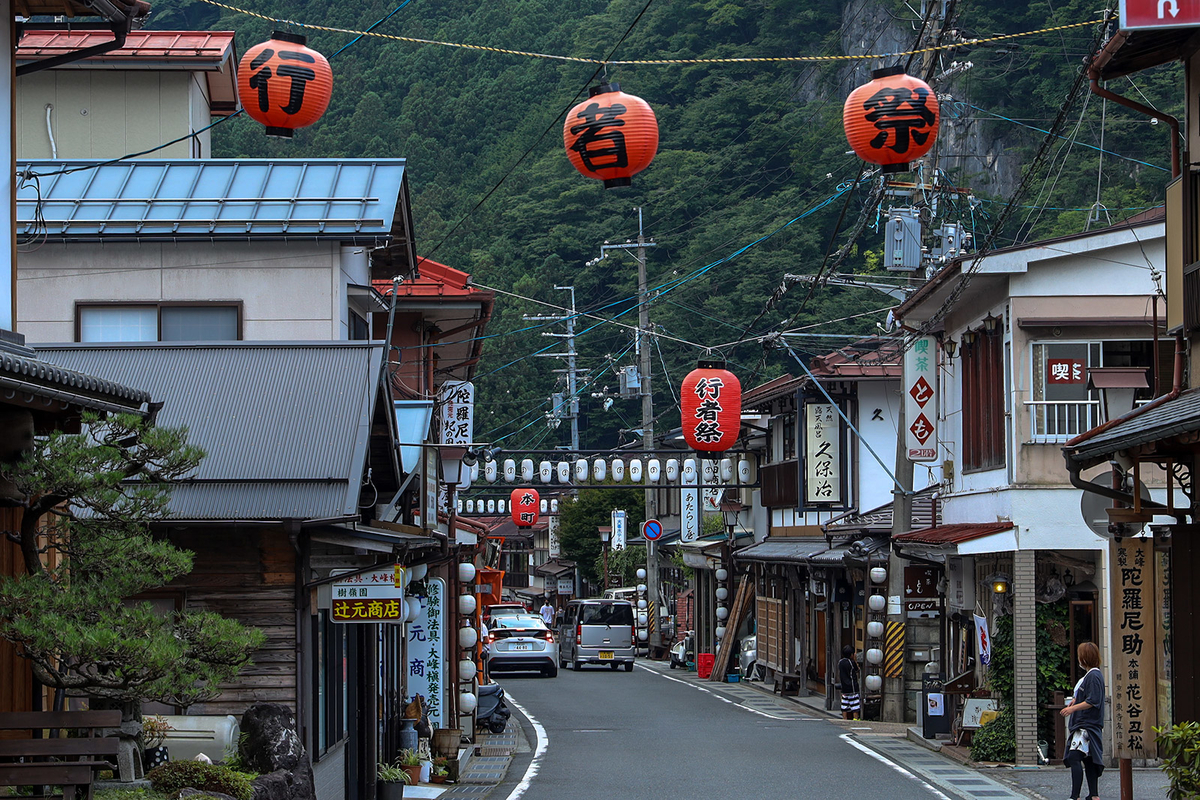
(720,697)
(538,751)
(848,738)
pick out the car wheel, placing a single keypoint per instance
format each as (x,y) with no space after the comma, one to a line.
(577,665)
(628,666)
(550,671)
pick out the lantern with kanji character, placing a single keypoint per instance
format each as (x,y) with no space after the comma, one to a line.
(712,407)
(525,507)
(892,120)
(611,136)
(283,84)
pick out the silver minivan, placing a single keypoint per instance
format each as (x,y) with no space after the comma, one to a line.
(597,632)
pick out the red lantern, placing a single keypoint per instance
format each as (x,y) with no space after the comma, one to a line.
(525,506)
(712,407)
(283,84)
(892,120)
(611,136)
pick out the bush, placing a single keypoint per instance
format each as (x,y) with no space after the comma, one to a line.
(176,775)
(1179,747)
(996,741)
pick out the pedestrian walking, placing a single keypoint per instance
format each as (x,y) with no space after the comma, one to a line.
(547,611)
(848,683)
(1085,724)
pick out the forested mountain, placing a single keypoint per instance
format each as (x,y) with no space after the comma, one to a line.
(745,148)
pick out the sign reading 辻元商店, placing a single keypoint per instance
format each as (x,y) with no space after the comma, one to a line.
(375,596)
(426,650)
(822,454)
(920,399)
(1135,642)
(456,417)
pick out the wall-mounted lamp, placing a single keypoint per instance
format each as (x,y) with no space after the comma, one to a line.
(968,338)
(949,345)
(991,324)
(999,583)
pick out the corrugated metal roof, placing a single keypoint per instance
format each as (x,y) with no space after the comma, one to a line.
(795,550)
(1144,425)
(952,534)
(285,424)
(355,200)
(925,514)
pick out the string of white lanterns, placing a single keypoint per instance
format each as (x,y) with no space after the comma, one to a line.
(468,638)
(651,471)
(876,606)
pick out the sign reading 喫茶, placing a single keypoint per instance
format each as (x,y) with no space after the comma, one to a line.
(920,399)
(1134,647)
(822,455)
(426,649)
(456,417)
(375,596)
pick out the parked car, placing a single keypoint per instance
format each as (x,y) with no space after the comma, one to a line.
(522,643)
(503,610)
(748,657)
(597,631)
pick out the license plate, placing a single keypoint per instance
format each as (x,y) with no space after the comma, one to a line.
(606,655)
(519,647)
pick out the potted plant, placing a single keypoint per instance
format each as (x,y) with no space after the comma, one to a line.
(439,775)
(410,762)
(392,779)
(154,733)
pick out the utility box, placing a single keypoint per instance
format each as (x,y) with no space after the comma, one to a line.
(630,381)
(935,718)
(902,241)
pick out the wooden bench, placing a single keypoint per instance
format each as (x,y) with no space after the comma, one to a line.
(68,763)
(787,684)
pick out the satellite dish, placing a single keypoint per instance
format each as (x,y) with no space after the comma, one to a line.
(1093,506)
(889,324)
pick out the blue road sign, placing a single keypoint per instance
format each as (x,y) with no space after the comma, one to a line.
(652,529)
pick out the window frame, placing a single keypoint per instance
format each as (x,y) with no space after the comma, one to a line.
(158,306)
(984,413)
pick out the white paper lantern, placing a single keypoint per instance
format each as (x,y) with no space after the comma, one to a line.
(412,608)
(618,470)
(878,574)
(874,683)
(653,470)
(466,572)
(874,656)
(643,619)
(722,574)
(599,469)
(466,670)
(875,629)
(643,636)
(460,506)
(490,470)
(500,506)
(470,506)
(743,469)
(690,475)
(641,573)
(545,472)
(722,613)
(726,470)
(527,470)
(510,470)
(581,470)
(564,472)
(672,472)
(418,571)
(720,632)
(635,470)
(877,602)
(544,505)
(722,593)
(467,702)
(475,472)
(641,587)
(710,471)
(641,603)
(554,505)
(467,604)
(491,506)
(468,637)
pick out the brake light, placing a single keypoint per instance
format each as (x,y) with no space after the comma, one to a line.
(579,633)
(548,636)
(633,634)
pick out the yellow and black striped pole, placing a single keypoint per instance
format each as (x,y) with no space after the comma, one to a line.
(893,652)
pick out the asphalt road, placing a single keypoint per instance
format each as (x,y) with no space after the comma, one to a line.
(640,735)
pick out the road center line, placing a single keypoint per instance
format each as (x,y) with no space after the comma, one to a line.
(538,751)
(848,738)
(716,695)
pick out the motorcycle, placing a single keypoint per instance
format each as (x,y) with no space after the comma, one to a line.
(492,711)
(683,651)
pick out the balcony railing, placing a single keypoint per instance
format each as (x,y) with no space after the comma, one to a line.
(1056,421)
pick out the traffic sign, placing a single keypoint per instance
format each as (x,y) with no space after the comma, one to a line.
(652,529)
(1159,14)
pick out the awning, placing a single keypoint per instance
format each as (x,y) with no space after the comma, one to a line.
(555,568)
(926,511)
(1150,430)
(853,553)
(952,534)
(784,550)
(370,538)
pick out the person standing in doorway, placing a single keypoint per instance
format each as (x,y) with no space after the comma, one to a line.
(547,612)
(848,683)
(1085,724)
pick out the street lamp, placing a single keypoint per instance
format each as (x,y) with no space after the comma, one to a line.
(730,510)
(605,531)
(1118,387)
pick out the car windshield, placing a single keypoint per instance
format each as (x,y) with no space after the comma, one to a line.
(606,614)
(520,622)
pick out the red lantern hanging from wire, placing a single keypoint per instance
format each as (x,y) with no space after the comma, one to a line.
(892,120)
(711,397)
(611,136)
(283,84)
(525,506)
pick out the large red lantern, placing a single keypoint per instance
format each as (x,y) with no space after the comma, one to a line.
(611,136)
(525,506)
(283,84)
(712,407)
(892,120)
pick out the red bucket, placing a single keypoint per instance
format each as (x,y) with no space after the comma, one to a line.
(704,664)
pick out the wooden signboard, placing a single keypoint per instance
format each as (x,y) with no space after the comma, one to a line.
(1134,647)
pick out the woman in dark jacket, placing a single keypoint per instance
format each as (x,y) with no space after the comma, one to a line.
(848,683)
(1085,714)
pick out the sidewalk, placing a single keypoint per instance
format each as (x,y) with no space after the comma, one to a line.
(486,767)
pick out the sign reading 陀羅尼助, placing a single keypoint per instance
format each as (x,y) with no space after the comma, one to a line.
(426,650)
(456,413)
(822,455)
(1135,636)
(920,399)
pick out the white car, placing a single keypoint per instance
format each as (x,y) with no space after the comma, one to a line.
(522,643)
(748,657)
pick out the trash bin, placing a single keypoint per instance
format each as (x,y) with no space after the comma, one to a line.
(934,717)
(704,664)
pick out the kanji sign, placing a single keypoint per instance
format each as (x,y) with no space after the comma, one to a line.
(1134,648)
(1065,370)
(425,648)
(822,455)
(456,415)
(920,399)
(1159,14)
(345,610)
(618,530)
(690,506)
(983,642)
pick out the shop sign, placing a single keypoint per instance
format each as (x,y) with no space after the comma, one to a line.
(690,507)
(920,581)
(920,399)
(375,596)
(711,472)
(1135,634)
(822,455)
(456,414)
(552,531)
(618,529)
(566,586)
(425,650)
(1065,370)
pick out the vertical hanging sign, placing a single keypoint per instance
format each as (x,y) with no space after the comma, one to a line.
(822,455)
(711,474)
(689,503)
(1134,648)
(552,531)
(426,650)
(456,417)
(920,399)
(618,530)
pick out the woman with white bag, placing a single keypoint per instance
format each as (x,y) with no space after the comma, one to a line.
(1085,725)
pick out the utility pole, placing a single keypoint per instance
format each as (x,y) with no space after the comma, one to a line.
(572,399)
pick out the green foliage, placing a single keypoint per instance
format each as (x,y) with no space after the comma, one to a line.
(409,758)
(392,773)
(997,740)
(176,775)
(1053,660)
(130,794)
(580,518)
(87,542)
(1179,748)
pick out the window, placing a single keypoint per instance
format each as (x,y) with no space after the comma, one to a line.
(983,402)
(359,330)
(153,322)
(1061,405)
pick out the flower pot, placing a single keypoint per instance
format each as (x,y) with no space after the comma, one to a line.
(155,757)
(414,774)
(437,779)
(389,790)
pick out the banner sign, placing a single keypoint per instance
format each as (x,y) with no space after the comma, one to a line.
(426,650)
(1134,647)
(456,415)
(822,455)
(618,530)
(690,506)
(369,597)
(983,642)
(552,531)
(920,399)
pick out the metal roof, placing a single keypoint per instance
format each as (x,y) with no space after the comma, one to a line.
(1143,425)
(795,550)
(285,424)
(925,513)
(953,534)
(350,200)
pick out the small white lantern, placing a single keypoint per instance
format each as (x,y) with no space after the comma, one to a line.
(491,506)
(874,683)
(599,469)
(635,470)
(643,636)
(466,572)
(726,470)
(672,470)
(510,470)
(722,574)
(468,637)
(489,471)
(875,656)
(618,470)
(722,593)
(554,505)
(418,571)
(499,506)
(641,587)
(643,619)
(720,632)
(722,613)
(641,573)
(467,702)
(460,505)
(641,604)
(545,472)
(877,602)
(581,470)
(689,471)
(466,670)
(544,505)
(474,472)
(875,629)
(743,469)
(653,470)
(467,604)
(878,574)
(564,472)
(412,608)
(527,470)
(470,506)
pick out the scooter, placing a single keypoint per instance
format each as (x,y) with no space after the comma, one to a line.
(683,651)
(492,711)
